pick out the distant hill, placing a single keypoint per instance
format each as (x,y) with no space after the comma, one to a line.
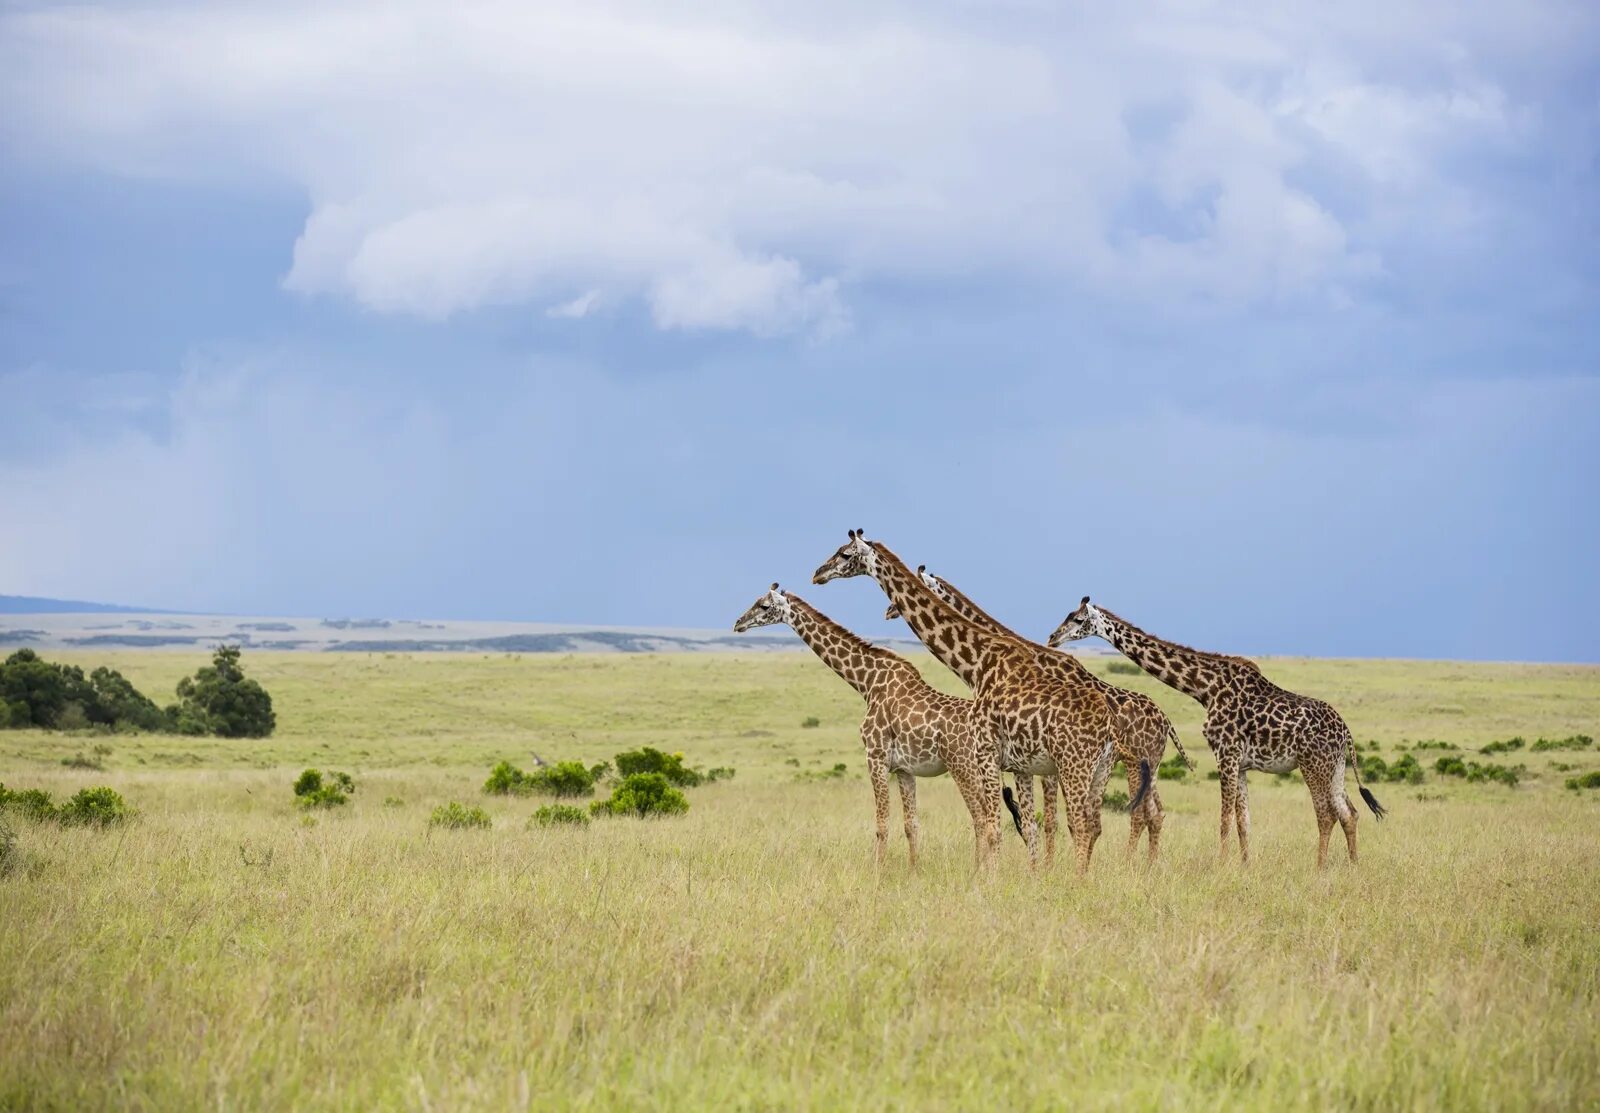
(32,604)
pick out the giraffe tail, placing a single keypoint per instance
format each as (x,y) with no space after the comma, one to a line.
(1172,733)
(1011,806)
(1378,810)
(1144,785)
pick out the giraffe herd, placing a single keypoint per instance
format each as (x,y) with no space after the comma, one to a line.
(1035,711)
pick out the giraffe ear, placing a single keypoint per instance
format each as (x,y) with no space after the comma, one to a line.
(1085,602)
(774,585)
(852,535)
(861,533)
(921,568)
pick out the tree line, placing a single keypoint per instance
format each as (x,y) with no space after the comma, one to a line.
(218,699)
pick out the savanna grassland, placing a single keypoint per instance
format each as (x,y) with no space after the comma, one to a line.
(227,950)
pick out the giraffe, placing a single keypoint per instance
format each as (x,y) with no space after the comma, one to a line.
(1142,728)
(1251,723)
(910,729)
(1042,726)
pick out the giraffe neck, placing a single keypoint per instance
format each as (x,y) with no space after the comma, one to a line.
(958,644)
(1061,664)
(858,662)
(1197,674)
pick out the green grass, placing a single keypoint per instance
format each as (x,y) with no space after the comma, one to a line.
(225,949)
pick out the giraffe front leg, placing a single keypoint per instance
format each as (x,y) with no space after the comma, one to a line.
(1051,787)
(980,791)
(908,811)
(1229,779)
(1153,820)
(878,771)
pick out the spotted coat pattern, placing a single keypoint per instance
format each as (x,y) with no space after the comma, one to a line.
(1140,728)
(1251,723)
(1041,725)
(910,729)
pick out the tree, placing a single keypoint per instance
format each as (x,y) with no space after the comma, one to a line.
(220,699)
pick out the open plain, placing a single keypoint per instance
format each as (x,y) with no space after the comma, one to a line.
(227,950)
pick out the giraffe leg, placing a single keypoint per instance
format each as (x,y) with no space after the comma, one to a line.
(1030,824)
(1242,805)
(980,791)
(878,772)
(908,811)
(1229,776)
(1154,820)
(1051,787)
(1318,784)
(1345,809)
(1138,816)
(1083,814)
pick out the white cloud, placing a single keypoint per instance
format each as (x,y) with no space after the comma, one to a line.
(740,174)
(576,309)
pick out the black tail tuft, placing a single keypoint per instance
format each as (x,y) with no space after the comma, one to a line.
(1011,806)
(1372,802)
(1144,785)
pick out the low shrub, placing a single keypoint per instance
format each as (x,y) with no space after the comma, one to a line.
(719,773)
(553,815)
(80,761)
(1475,772)
(599,771)
(1406,770)
(94,807)
(9,855)
(1173,769)
(1123,668)
(1503,747)
(30,803)
(1575,742)
(456,816)
(648,759)
(1114,801)
(1435,744)
(311,791)
(1587,780)
(642,794)
(564,778)
(810,722)
(393,802)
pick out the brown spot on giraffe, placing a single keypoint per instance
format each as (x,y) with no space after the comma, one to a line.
(1251,723)
(910,729)
(1042,724)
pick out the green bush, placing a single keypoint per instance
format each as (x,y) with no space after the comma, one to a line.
(30,803)
(1587,780)
(1173,769)
(551,815)
(94,807)
(1435,745)
(599,771)
(810,722)
(459,816)
(648,759)
(219,699)
(642,794)
(720,773)
(311,791)
(1575,742)
(1475,772)
(1123,668)
(1115,800)
(1503,747)
(393,802)
(564,778)
(1407,770)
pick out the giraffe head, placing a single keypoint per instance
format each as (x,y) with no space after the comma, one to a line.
(854,558)
(935,585)
(769,610)
(1085,622)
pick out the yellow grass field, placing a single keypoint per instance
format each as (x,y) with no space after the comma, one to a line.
(226,951)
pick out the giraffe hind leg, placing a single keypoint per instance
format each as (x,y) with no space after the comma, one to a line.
(908,811)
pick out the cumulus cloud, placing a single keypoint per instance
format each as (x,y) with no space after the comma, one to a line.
(744,173)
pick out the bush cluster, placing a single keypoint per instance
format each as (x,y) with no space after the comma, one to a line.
(89,807)
(1435,744)
(1173,769)
(1474,772)
(456,816)
(1123,668)
(219,699)
(1504,747)
(1406,770)
(564,778)
(1585,780)
(312,791)
(1575,742)
(642,794)
(553,815)
(648,759)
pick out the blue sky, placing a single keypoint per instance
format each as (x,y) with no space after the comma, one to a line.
(1273,328)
